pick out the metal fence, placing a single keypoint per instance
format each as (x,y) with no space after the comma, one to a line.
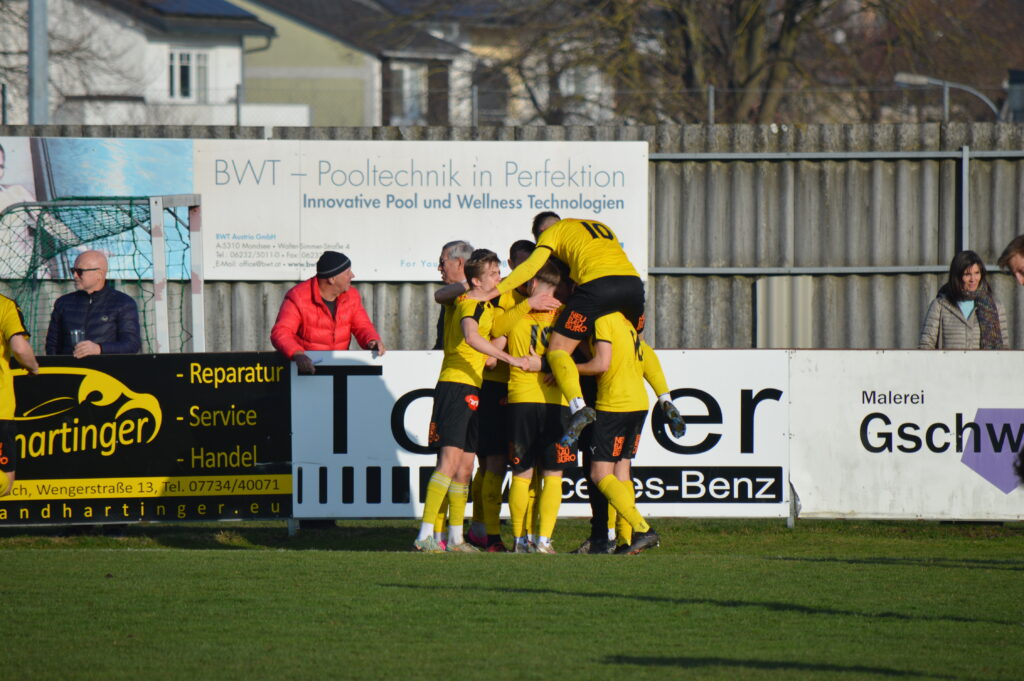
(817,236)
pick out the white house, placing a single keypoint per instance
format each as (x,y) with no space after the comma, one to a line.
(147,62)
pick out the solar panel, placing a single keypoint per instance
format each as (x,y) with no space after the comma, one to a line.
(200,8)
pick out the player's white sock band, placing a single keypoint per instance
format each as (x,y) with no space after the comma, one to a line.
(455,534)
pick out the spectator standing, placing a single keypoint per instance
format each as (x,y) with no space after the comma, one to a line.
(323,313)
(1012,260)
(965,315)
(95,318)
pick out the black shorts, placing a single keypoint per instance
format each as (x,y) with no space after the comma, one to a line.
(8,447)
(453,422)
(536,429)
(600,297)
(616,435)
(493,419)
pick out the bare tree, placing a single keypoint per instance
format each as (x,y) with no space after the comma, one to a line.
(767,59)
(83,59)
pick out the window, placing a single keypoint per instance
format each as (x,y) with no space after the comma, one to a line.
(408,94)
(187,76)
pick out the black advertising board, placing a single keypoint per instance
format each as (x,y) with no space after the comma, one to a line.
(125,438)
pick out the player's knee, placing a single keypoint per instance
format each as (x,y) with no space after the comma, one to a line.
(556,355)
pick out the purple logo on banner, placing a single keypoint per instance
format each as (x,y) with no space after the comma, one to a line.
(1002,433)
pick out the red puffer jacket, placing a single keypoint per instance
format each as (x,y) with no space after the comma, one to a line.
(304,322)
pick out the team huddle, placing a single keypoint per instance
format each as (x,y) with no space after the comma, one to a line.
(510,390)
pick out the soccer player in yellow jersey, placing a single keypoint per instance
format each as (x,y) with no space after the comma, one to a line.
(606,282)
(13,343)
(453,424)
(485,530)
(539,414)
(621,410)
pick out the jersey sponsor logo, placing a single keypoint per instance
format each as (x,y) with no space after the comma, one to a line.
(472,401)
(433,435)
(576,322)
(564,455)
(617,446)
(636,444)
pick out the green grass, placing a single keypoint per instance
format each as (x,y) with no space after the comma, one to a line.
(719,600)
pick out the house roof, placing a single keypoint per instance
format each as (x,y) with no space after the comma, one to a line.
(365,28)
(192,16)
(463,11)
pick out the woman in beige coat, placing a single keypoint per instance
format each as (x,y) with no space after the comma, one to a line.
(964,314)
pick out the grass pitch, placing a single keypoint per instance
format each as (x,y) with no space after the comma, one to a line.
(719,600)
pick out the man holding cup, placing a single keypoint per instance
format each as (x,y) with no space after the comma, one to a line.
(95,318)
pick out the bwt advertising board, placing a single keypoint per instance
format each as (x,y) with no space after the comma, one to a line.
(152,437)
(270,207)
(907,434)
(360,426)
(276,205)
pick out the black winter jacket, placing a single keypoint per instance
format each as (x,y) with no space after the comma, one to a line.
(108,316)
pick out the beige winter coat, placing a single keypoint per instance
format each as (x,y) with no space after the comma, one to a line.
(945,328)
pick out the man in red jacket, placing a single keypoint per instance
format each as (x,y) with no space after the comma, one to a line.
(323,313)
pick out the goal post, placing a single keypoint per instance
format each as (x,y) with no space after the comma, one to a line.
(152,243)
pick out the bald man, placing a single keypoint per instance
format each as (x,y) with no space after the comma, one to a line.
(95,318)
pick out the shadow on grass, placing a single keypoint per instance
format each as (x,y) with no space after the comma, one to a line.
(773,606)
(954,563)
(219,536)
(772,665)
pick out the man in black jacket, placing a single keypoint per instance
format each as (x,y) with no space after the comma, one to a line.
(95,319)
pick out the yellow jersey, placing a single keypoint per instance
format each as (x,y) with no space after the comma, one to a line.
(532,332)
(463,364)
(621,388)
(506,301)
(590,249)
(11,324)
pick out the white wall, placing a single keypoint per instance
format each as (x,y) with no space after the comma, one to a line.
(115,55)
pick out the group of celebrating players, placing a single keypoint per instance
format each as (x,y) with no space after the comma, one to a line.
(510,390)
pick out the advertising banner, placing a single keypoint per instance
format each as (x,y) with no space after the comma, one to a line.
(152,437)
(907,434)
(272,207)
(360,426)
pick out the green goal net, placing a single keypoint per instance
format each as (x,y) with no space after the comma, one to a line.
(39,242)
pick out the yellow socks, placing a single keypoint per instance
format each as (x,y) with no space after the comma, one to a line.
(519,504)
(550,502)
(533,508)
(563,368)
(624,502)
(437,489)
(478,496)
(458,495)
(492,502)
(623,530)
(441,520)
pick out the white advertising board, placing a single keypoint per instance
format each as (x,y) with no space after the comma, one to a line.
(906,434)
(359,429)
(271,207)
